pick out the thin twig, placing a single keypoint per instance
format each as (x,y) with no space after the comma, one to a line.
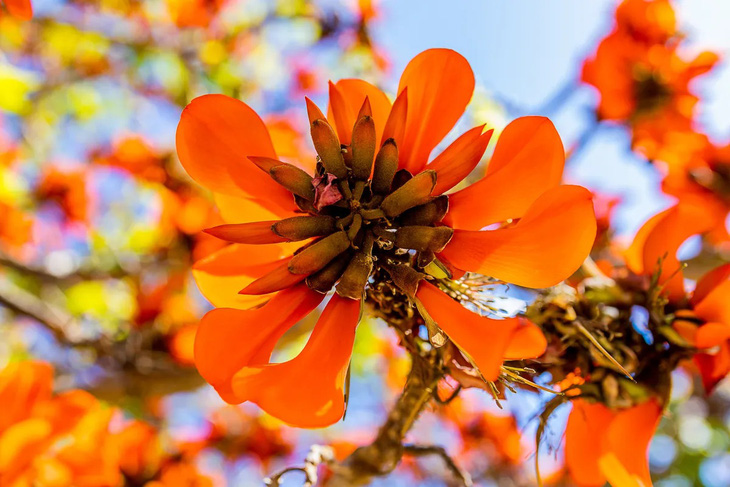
(424,450)
(317,455)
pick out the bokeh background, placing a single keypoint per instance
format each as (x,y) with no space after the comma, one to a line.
(100,224)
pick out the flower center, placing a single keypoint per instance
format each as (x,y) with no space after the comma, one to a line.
(381,221)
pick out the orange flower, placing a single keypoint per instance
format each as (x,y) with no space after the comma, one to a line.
(608,445)
(654,249)
(710,304)
(650,21)
(193,13)
(21,9)
(704,176)
(67,189)
(642,80)
(374,211)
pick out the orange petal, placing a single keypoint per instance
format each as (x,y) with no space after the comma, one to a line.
(546,246)
(221,275)
(346,98)
(485,340)
(659,239)
(716,305)
(528,341)
(230,339)
(713,367)
(586,427)
(21,9)
(459,159)
(440,84)
(708,282)
(307,391)
(395,127)
(22,385)
(528,160)
(712,334)
(20,444)
(254,233)
(639,424)
(236,209)
(215,136)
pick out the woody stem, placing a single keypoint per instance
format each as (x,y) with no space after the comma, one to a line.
(382,456)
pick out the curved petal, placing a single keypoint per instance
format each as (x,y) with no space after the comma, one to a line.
(638,423)
(459,159)
(528,341)
(716,304)
(215,136)
(712,334)
(352,93)
(708,282)
(222,275)
(483,339)
(713,367)
(440,84)
(586,427)
(659,239)
(230,339)
(20,444)
(23,384)
(307,391)
(21,9)
(528,160)
(546,246)
(237,209)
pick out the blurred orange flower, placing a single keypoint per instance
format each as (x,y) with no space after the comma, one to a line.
(66,188)
(603,445)
(21,9)
(707,326)
(67,439)
(641,79)
(654,248)
(375,207)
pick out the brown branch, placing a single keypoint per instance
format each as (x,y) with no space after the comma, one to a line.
(424,450)
(27,304)
(385,452)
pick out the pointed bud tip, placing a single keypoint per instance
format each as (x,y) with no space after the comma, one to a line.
(313,111)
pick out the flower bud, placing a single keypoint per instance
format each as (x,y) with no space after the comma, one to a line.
(303,227)
(414,192)
(319,254)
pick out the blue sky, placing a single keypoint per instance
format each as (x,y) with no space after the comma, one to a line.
(525,51)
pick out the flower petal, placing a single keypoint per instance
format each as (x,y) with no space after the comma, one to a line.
(659,239)
(22,384)
(237,209)
(221,276)
(639,424)
(349,95)
(586,426)
(485,340)
(712,334)
(546,246)
(459,159)
(713,367)
(528,341)
(215,136)
(307,391)
(21,9)
(440,84)
(528,160)
(230,339)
